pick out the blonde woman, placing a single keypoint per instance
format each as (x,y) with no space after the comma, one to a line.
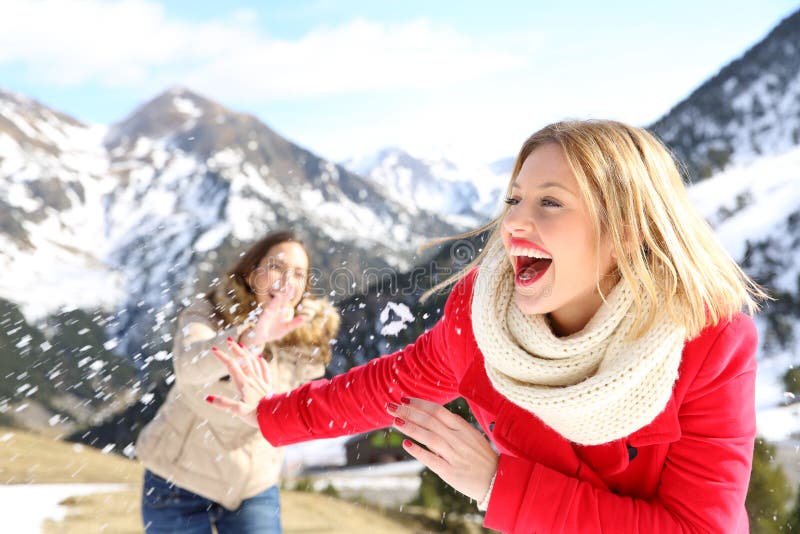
(203,468)
(599,340)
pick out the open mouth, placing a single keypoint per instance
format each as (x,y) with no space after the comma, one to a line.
(530,263)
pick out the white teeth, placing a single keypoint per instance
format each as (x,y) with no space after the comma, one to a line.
(530,252)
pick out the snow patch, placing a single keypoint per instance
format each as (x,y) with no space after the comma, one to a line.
(187,107)
(404,316)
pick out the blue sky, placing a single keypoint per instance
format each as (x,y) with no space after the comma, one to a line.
(348,77)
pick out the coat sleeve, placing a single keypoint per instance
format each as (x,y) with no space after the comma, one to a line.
(704,478)
(192,359)
(355,401)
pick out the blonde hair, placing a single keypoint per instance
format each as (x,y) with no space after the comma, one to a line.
(666,252)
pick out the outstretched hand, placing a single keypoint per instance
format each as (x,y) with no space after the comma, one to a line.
(456,451)
(275,321)
(250,375)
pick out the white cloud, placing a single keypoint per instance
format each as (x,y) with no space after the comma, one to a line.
(135,44)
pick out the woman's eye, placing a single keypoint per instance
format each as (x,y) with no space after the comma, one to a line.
(511,201)
(550,203)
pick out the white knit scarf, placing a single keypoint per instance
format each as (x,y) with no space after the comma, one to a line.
(592,387)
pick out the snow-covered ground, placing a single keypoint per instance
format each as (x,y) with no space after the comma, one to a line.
(387,485)
(321,452)
(391,484)
(25,507)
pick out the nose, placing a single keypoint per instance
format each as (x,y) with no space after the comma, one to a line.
(517,222)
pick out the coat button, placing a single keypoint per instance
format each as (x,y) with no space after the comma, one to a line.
(491,426)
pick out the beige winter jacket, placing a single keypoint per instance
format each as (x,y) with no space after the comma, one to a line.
(201,448)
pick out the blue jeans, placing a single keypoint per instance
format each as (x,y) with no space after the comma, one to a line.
(167,508)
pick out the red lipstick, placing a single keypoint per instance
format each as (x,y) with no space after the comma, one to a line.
(524,243)
(527,271)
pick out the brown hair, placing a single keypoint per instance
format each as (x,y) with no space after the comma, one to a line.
(250,260)
(233,300)
(235,285)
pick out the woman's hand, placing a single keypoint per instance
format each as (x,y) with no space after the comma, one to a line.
(250,375)
(458,452)
(275,321)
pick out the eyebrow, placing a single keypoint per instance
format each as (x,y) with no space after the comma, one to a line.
(545,186)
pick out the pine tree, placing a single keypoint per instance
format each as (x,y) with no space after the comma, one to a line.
(793,520)
(768,493)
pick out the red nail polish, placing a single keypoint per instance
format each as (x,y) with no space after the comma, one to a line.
(241,346)
(392,406)
(214,349)
(407,443)
(405,400)
(399,422)
(230,339)
(210,398)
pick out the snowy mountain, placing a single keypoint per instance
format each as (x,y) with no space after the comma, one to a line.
(195,179)
(741,128)
(467,192)
(55,370)
(134,218)
(751,108)
(53,178)
(755,211)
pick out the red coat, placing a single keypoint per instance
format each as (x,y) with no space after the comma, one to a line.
(686,471)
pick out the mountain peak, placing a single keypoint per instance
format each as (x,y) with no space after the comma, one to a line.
(12,103)
(747,110)
(182,97)
(176,109)
(168,98)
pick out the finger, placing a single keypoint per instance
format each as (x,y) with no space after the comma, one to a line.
(253,358)
(253,371)
(426,421)
(224,358)
(238,349)
(243,357)
(432,438)
(436,411)
(434,462)
(234,369)
(263,370)
(265,375)
(229,405)
(461,431)
(279,300)
(254,368)
(258,367)
(295,323)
